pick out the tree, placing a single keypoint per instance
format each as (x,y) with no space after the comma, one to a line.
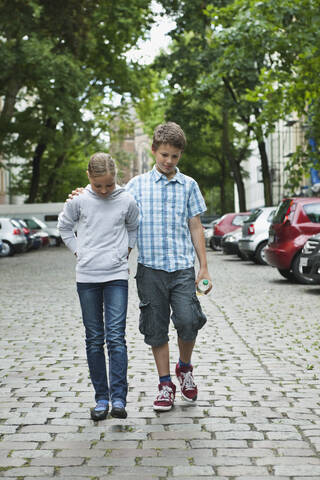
(60,58)
(290,83)
(198,102)
(265,53)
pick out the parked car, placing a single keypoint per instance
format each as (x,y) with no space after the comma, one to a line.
(226,224)
(44,238)
(40,239)
(208,230)
(230,243)
(255,234)
(37,226)
(295,220)
(310,258)
(13,239)
(33,240)
(206,220)
(0,246)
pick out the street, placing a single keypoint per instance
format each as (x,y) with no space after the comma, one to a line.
(257,366)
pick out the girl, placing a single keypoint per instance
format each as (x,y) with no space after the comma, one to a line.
(106,221)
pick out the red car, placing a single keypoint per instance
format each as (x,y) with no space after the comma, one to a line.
(226,224)
(294,221)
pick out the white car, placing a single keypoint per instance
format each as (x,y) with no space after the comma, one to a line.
(255,234)
(13,238)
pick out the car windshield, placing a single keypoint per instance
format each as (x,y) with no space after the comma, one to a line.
(281,211)
(254,215)
(31,223)
(14,223)
(40,222)
(204,218)
(21,222)
(270,216)
(239,220)
(35,223)
(312,210)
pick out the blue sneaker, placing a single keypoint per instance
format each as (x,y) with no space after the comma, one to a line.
(100,411)
(118,410)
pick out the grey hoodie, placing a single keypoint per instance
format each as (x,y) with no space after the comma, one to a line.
(105,228)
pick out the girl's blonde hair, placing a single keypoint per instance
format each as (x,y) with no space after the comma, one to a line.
(101,163)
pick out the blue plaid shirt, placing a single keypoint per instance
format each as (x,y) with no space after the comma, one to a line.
(164,240)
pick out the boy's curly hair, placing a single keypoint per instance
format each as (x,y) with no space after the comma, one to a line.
(169,133)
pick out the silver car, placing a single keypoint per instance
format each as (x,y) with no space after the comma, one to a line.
(230,243)
(255,234)
(37,225)
(208,230)
(13,238)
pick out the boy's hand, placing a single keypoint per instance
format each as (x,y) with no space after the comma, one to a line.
(75,192)
(203,274)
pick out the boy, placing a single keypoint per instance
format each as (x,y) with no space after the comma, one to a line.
(170,229)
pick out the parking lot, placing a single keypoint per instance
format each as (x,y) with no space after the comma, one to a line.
(257,365)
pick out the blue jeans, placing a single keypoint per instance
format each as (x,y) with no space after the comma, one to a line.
(112,297)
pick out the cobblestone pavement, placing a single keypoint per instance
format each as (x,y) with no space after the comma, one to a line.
(256,365)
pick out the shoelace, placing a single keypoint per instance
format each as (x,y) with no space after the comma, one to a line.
(188,382)
(164,393)
(101,405)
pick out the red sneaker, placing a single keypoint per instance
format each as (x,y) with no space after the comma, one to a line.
(189,390)
(165,397)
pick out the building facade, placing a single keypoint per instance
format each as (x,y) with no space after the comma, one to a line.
(280,146)
(131,149)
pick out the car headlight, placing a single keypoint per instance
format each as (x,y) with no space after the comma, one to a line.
(230,238)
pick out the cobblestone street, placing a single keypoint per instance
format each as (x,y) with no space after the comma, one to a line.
(256,365)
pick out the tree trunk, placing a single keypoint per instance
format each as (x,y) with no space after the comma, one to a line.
(36,162)
(261,144)
(267,185)
(52,180)
(8,107)
(233,162)
(34,186)
(222,187)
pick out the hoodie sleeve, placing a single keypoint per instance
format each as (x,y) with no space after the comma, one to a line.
(67,220)
(132,221)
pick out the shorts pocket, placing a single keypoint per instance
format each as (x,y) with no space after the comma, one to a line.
(145,320)
(139,273)
(199,318)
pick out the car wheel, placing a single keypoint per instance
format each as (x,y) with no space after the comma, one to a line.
(259,255)
(286,274)
(7,249)
(297,272)
(214,246)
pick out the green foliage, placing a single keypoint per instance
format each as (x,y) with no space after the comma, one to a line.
(272,51)
(153,100)
(187,91)
(267,55)
(64,61)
